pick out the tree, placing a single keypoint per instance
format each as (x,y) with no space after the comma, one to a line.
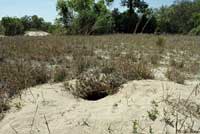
(37,22)
(80,5)
(2,29)
(85,16)
(132,5)
(12,26)
(27,22)
(179,17)
(65,13)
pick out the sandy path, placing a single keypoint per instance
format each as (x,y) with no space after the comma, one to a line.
(111,115)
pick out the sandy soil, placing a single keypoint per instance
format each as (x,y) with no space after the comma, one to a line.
(36,33)
(49,109)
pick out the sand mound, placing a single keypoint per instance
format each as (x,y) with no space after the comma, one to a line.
(48,109)
(36,33)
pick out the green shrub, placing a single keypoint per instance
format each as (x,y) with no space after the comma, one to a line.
(103,25)
(195,31)
(12,26)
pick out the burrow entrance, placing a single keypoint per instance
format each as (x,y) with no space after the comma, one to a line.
(95,95)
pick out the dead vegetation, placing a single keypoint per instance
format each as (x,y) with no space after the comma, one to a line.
(29,61)
(94,85)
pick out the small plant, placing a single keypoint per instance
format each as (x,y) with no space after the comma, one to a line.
(153,113)
(150,130)
(4,106)
(155,59)
(40,74)
(59,74)
(18,105)
(178,65)
(160,43)
(135,126)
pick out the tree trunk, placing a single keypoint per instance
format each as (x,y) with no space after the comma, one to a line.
(130,4)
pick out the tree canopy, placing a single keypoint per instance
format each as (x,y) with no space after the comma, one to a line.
(15,26)
(96,17)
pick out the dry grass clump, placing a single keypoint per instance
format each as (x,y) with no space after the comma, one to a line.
(186,66)
(4,105)
(21,75)
(177,64)
(83,63)
(176,75)
(17,76)
(155,59)
(94,85)
(134,70)
(60,73)
(160,43)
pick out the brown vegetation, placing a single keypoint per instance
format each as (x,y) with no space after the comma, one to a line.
(29,61)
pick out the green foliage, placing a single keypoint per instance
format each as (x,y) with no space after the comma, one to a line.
(15,26)
(91,17)
(95,17)
(80,5)
(135,126)
(123,22)
(196,19)
(57,29)
(195,31)
(84,22)
(64,12)
(181,17)
(153,113)
(2,29)
(12,26)
(164,23)
(103,24)
(132,5)
(27,22)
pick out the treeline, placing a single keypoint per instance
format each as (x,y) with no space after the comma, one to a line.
(182,17)
(15,26)
(91,17)
(95,17)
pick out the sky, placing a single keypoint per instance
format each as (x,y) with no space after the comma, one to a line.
(47,8)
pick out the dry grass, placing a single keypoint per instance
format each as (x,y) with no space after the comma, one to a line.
(174,74)
(94,84)
(28,61)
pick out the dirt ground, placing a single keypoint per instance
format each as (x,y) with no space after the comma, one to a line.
(50,109)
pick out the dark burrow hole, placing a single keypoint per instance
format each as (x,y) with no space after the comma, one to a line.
(94,96)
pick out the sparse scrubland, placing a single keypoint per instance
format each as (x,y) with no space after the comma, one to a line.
(93,67)
(101,70)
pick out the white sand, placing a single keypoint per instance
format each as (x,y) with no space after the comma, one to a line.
(36,33)
(111,115)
